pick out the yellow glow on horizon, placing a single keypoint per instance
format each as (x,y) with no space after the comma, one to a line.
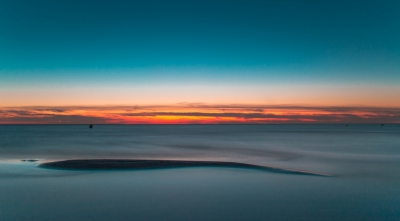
(196,114)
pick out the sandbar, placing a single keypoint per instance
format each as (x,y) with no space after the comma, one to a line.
(117,164)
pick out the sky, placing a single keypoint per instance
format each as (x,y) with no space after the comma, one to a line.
(199,61)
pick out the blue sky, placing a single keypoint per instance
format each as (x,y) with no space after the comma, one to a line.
(306,35)
(287,52)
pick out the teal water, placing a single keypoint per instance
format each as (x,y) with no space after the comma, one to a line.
(363,159)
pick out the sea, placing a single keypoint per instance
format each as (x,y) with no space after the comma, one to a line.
(361,161)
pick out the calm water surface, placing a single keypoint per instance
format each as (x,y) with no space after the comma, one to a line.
(363,159)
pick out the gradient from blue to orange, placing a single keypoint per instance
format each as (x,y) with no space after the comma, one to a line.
(241,54)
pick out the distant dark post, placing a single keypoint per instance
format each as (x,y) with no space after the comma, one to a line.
(91,126)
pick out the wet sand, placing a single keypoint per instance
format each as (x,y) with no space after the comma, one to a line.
(116,164)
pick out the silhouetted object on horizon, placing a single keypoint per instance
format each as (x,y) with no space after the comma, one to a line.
(347,125)
(382,124)
(91,126)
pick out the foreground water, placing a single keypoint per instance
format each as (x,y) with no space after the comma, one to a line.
(363,159)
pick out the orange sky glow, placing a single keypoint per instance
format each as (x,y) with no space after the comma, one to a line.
(197,114)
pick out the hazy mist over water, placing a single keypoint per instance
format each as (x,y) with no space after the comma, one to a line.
(363,159)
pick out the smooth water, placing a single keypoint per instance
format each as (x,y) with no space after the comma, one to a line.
(363,159)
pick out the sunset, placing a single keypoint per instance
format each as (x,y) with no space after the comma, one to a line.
(199,110)
(197,113)
(101,57)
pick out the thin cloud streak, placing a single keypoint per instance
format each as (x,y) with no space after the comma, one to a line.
(197,113)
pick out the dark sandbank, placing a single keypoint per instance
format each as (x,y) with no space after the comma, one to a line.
(117,164)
